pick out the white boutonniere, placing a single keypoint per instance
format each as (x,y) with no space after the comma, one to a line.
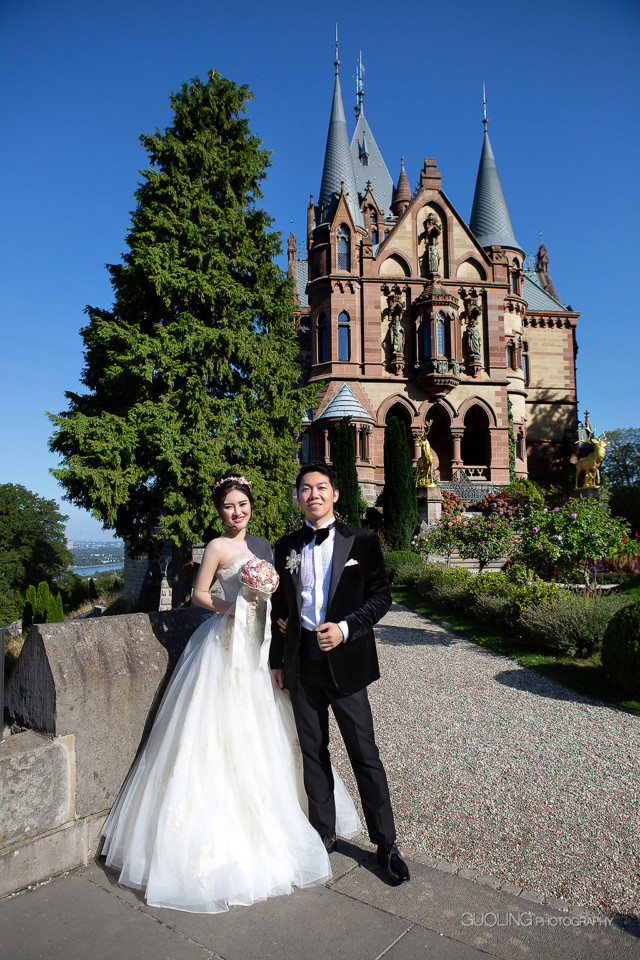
(293,562)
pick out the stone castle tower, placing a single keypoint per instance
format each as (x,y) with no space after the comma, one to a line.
(407,310)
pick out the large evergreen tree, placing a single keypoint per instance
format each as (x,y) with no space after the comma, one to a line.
(400,500)
(193,369)
(344,462)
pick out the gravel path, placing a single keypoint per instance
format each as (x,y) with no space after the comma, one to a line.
(495,768)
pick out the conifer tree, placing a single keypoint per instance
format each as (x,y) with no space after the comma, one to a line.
(344,462)
(400,500)
(193,370)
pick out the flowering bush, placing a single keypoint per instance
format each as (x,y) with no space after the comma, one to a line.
(451,503)
(573,537)
(486,538)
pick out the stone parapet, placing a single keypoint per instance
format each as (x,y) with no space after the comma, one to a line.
(100,680)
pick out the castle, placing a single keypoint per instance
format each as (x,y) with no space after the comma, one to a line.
(406,310)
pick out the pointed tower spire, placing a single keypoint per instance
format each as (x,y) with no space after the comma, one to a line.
(338,162)
(490,220)
(359,86)
(402,193)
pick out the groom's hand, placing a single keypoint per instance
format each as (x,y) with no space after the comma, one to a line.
(329,636)
(277,678)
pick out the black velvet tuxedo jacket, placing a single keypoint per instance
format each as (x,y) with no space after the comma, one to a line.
(359,593)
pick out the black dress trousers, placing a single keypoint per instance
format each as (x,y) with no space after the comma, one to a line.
(314,694)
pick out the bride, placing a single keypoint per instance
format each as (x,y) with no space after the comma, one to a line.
(213,811)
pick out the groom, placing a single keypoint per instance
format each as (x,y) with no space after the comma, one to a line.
(333,589)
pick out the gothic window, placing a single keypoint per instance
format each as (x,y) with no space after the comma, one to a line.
(343,259)
(514,277)
(426,337)
(374,226)
(440,336)
(526,367)
(304,448)
(344,337)
(323,339)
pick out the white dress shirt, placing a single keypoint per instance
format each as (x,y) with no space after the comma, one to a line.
(315,577)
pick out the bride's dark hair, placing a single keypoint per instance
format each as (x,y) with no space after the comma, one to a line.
(231,480)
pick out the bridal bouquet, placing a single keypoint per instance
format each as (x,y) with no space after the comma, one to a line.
(259,576)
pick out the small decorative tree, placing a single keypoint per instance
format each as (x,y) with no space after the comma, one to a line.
(344,462)
(400,500)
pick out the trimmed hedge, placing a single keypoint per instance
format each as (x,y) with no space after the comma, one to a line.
(621,649)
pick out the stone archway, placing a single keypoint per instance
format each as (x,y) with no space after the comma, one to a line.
(475,447)
(441,442)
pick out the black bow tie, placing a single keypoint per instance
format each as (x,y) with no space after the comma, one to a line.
(308,533)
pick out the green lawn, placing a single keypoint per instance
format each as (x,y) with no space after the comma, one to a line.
(584,676)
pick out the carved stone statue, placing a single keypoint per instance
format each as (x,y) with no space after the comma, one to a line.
(397,335)
(432,230)
(473,339)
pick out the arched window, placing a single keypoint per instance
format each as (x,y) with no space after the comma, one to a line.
(514,276)
(374,226)
(343,259)
(440,336)
(426,337)
(323,339)
(344,337)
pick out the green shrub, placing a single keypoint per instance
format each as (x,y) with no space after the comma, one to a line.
(621,649)
(492,608)
(401,560)
(448,587)
(570,624)
(489,584)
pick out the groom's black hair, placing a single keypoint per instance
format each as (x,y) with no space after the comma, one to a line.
(318,467)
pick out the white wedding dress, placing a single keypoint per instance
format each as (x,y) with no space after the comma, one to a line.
(213,811)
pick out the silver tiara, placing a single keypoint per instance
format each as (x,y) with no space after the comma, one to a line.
(242,480)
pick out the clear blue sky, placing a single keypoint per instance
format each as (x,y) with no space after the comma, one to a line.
(81,81)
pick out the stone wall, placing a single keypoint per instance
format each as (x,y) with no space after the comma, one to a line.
(87,690)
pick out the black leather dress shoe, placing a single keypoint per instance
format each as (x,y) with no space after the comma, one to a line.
(330,842)
(390,859)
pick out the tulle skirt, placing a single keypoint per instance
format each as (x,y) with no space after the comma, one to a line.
(213,811)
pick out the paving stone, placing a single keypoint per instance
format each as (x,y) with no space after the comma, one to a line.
(492,882)
(419,943)
(467,874)
(513,890)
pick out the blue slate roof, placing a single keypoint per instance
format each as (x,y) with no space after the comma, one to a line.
(537,298)
(344,404)
(490,220)
(368,164)
(338,165)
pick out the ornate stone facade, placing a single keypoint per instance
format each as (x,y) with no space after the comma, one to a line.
(426,317)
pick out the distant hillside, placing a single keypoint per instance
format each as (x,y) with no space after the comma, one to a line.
(92,553)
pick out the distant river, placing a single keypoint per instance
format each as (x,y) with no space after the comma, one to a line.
(91,571)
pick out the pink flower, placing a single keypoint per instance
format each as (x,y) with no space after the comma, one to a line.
(555,510)
(559,537)
(574,516)
(535,529)
(545,510)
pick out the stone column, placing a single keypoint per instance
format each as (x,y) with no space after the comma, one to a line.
(456,435)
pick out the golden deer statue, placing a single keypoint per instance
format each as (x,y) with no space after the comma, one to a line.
(424,474)
(589,466)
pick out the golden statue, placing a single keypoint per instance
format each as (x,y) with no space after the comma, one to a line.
(589,466)
(424,474)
